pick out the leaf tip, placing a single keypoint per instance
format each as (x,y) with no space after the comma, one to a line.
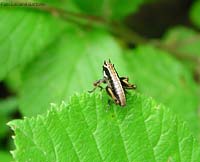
(63,104)
(12,124)
(53,105)
(13,153)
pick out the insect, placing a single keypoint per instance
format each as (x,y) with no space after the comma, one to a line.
(116,86)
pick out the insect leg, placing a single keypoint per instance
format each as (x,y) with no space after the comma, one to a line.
(110,92)
(98,84)
(126,84)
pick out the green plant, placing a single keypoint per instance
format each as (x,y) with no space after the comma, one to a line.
(86,130)
(51,52)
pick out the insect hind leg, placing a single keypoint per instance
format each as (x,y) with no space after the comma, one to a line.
(111,94)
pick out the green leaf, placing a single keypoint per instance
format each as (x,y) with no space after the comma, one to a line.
(7,106)
(68,5)
(5,156)
(25,36)
(71,65)
(29,32)
(184,40)
(195,12)
(88,130)
(14,80)
(116,9)
(159,75)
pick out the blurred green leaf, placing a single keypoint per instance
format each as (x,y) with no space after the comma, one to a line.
(31,31)
(5,156)
(3,128)
(68,5)
(7,106)
(24,36)
(14,80)
(195,12)
(159,75)
(71,65)
(116,9)
(86,130)
(184,40)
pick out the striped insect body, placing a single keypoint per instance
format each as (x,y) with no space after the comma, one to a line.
(116,86)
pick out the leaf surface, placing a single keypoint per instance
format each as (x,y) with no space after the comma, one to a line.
(31,31)
(68,67)
(184,39)
(159,75)
(88,130)
(186,42)
(25,36)
(5,156)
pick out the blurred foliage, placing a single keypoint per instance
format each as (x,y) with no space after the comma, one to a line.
(110,9)
(60,69)
(50,52)
(24,36)
(5,156)
(186,43)
(195,12)
(7,107)
(156,71)
(184,39)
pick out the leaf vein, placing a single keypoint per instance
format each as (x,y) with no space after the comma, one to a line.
(147,133)
(73,147)
(93,137)
(124,146)
(36,145)
(52,143)
(178,141)
(161,130)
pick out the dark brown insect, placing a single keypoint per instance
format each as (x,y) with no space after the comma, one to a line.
(116,86)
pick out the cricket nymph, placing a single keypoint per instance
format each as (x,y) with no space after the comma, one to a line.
(116,86)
